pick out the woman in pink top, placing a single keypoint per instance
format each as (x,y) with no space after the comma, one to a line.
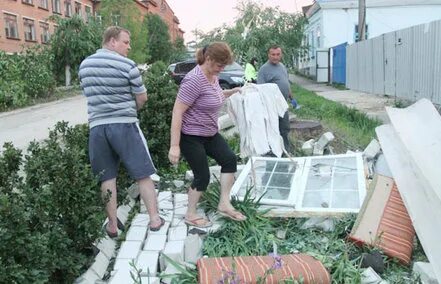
(195,133)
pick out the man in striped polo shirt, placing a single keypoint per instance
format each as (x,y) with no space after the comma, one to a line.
(115,91)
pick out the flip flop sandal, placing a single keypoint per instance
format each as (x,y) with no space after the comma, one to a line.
(110,234)
(194,222)
(232,215)
(155,229)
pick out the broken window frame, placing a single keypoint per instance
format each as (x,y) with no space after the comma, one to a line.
(300,179)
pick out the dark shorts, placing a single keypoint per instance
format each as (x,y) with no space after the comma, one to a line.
(111,143)
(195,150)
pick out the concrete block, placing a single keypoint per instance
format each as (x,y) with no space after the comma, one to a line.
(165,205)
(308,147)
(155,178)
(174,250)
(181,197)
(192,248)
(224,122)
(87,277)
(140,220)
(178,183)
(100,264)
(372,150)
(177,233)
(150,280)
(324,140)
(162,231)
(124,264)
(167,215)
(107,246)
(165,196)
(147,262)
(180,210)
(317,151)
(121,276)
(178,221)
(155,242)
(142,209)
(123,213)
(136,233)
(129,249)
(425,270)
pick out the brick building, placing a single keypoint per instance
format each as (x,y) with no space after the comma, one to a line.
(25,22)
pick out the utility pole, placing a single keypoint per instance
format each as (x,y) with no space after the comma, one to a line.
(361,19)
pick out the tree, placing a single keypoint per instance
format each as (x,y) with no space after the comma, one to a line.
(159,45)
(72,41)
(179,50)
(256,29)
(124,13)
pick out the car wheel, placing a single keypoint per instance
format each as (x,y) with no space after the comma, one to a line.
(224,86)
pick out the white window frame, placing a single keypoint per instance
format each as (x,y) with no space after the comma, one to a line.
(45,33)
(76,4)
(8,27)
(299,182)
(44,4)
(56,6)
(67,8)
(30,2)
(31,32)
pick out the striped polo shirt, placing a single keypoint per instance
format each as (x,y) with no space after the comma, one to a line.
(110,81)
(204,100)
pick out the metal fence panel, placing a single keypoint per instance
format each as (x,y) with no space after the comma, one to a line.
(404,64)
(436,89)
(377,66)
(389,64)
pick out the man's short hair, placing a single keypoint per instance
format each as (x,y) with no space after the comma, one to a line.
(113,32)
(273,46)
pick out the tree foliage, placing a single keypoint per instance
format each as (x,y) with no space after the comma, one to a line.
(73,41)
(256,29)
(159,45)
(179,50)
(124,13)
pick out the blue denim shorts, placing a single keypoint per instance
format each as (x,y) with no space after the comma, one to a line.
(110,144)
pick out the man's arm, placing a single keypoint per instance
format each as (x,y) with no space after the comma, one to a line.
(141,99)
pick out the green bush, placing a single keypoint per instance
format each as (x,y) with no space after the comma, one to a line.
(50,219)
(24,77)
(155,118)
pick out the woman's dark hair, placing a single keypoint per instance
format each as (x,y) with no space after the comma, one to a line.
(220,52)
(253,61)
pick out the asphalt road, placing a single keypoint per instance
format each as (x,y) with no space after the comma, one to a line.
(33,123)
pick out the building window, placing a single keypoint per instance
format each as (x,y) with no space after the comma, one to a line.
(78,8)
(30,2)
(45,35)
(356,36)
(11,27)
(68,8)
(88,10)
(56,6)
(29,30)
(43,4)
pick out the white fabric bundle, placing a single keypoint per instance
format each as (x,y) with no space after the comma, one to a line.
(255,112)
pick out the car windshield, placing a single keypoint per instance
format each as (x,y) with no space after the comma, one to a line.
(233,67)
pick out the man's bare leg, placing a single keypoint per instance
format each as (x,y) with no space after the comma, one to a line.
(108,192)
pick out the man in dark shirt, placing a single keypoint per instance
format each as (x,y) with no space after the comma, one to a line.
(273,71)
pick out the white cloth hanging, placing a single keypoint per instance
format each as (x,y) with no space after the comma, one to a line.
(255,112)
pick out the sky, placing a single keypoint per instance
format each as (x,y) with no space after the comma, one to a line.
(206,15)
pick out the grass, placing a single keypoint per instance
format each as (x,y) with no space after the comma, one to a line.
(354,128)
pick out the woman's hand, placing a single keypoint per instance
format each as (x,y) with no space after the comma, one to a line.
(173,154)
(228,93)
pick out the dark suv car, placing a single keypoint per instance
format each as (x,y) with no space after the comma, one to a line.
(232,76)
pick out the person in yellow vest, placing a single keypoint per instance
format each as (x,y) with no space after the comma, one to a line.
(250,71)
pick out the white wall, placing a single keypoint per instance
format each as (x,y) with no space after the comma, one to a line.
(339,24)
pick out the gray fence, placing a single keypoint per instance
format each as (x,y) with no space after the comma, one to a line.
(404,63)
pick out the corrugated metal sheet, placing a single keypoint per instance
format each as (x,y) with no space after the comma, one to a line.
(377,66)
(404,63)
(436,91)
(389,64)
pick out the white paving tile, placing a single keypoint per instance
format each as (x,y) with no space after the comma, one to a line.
(129,249)
(147,262)
(136,233)
(155,242)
